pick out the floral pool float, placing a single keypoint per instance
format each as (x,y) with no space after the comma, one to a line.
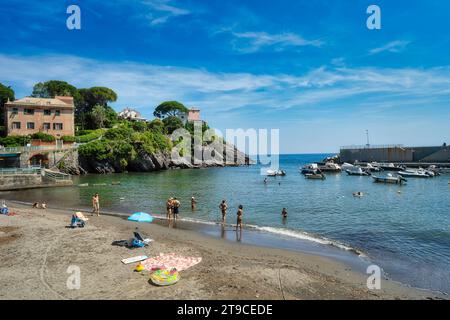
(164,277)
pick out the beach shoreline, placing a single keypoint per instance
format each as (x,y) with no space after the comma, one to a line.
(37,248)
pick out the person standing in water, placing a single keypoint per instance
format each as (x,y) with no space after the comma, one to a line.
(239,217)
(175,208)
(193,203)
(169,208)
(223,208)
(284,213)
(96,204)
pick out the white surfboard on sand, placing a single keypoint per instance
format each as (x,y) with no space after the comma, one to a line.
(134,259)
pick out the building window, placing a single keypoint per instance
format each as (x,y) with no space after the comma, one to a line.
(47,112)
(15,110)
(28,111)
(57,126)
(46,126)
(57,112)
(30,125)
(16,125)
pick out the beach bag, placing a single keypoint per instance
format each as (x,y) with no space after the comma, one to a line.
(137,243)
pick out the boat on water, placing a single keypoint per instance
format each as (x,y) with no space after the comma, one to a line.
(357,171)
(315,176)
(347,166)
(389,178)
(391,167)
(411,173)
(330,167)
(373,167)
(311,168)
(274,173)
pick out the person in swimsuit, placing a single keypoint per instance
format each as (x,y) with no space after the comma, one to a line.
(96,204)
(284,213)
(193,203)
(223,208)
(169,208)
(175,207)
(239,217)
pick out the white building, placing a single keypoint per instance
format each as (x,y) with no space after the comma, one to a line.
(131,114)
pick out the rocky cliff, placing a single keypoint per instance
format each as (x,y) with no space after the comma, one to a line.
(212,156)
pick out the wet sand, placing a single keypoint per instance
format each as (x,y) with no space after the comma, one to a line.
(36,249)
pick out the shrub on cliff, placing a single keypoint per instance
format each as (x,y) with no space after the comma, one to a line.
(90,135)
(151,142)
(98,149)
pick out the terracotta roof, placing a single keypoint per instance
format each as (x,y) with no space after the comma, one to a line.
(40,102)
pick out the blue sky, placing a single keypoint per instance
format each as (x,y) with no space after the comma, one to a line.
(310,68)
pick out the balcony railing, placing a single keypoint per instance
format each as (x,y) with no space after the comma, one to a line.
(36,148)
(20,171)
(380,146)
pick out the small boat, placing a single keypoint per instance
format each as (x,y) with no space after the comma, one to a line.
(83,185)
(315,176)
(330,167)
(311,168)
(357,171)
(391,167)
(414,173)
(115,183)
(389,179)
(373,167)
(347,166)
(273,173)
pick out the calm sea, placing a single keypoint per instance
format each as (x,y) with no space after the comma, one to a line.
(403,229)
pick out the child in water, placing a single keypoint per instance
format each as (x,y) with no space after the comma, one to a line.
(239,217)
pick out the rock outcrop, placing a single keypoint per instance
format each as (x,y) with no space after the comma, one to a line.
(211,156)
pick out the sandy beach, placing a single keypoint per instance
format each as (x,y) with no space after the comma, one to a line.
(36,249)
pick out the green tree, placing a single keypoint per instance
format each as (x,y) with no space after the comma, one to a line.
(89,98)
(52,88)
(169,109)
(156,125)
(172,123)
(98,116)
(5,94)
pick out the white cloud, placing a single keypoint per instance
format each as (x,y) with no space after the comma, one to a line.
(393,46)
(250,41)
(163,10)
(144,86)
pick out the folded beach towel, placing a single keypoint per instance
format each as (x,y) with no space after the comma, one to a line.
(169,261)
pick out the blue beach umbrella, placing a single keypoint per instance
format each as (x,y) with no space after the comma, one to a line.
(140,217)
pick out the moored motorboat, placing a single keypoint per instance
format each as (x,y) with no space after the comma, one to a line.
(315,176)
(411,173)
(357,171)
(389,179)
(391,167)
(310,168)
(273,173)
(347,166)
(330,167)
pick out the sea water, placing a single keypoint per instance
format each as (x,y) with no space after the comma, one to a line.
(403,229)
